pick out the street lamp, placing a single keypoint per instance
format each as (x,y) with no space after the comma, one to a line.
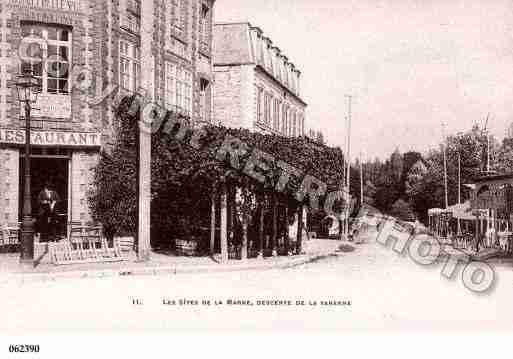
(27,86)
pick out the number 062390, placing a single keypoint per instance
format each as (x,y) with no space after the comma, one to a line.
(23,348)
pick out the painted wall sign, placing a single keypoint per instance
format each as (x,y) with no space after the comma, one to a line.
(51,138)
(52,106)
(46,17)
(66,5)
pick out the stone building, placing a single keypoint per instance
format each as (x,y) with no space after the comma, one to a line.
(87,55)
(256,86)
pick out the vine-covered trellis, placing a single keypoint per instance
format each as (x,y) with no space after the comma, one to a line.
(196,193)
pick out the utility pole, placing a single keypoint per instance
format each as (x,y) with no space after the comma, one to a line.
(362,158)
(487,152)
(361,181)
(348,168)
(445,166)
(459,188)
(487,144)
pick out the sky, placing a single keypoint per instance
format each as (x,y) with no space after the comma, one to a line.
(410,65)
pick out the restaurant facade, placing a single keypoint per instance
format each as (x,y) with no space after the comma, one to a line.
(88,54)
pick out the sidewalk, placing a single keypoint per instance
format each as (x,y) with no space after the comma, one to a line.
(160,264)
(483,255)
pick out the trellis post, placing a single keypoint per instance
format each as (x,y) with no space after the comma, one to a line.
(275,226)
(299,249)
(213,222)
(261,228)
(286,230)
(224,225)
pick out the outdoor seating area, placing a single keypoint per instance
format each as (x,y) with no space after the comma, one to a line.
(482,223)
(10,238)
(85,243)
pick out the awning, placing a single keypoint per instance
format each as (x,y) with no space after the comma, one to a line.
(462,211)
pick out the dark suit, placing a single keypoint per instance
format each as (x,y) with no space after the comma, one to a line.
(47,221)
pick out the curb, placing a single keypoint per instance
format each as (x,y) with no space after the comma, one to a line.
(155,271)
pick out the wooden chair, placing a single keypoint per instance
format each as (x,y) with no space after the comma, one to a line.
(10,234)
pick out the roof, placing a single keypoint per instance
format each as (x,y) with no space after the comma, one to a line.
(494,177)
(232,44)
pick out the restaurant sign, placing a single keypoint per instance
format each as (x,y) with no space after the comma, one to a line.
(65,5)
(51,138)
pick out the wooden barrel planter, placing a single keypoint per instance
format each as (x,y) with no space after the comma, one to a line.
(186,247)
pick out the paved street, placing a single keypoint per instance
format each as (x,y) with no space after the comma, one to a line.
(385,292)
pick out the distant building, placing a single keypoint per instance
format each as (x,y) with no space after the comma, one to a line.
(256,86)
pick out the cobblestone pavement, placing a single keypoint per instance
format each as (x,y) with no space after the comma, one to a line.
(386,292)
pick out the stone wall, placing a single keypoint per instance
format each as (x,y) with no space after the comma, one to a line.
(9,185)
(234,96)
(82,174)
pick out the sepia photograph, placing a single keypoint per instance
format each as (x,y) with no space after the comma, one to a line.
(242,166)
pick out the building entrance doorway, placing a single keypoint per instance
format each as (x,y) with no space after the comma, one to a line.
(52,170)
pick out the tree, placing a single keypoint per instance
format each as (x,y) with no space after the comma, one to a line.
(402,210)
(504,162)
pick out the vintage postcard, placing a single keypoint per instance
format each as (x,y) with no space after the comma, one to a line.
(306,165)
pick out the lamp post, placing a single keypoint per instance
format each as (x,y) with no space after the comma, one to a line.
(26,87)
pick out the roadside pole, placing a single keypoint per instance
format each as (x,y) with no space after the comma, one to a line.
(144,138)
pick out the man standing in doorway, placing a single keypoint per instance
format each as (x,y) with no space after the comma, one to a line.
(47,200)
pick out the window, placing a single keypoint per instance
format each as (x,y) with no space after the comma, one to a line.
(184,90)
(273,62)
(204,99)
(170,85)
(205,24)
(276,122)
(261,50)
(294,125)
(131,22)
(134,6)
(129,65)
(267,113)
(54,44)
(178,16)
(278,69)
(178,48)
(260,105)
(284,119)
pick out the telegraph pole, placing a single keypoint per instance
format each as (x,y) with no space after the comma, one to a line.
(348,168)
(459,188)
(361,181)
(445,166)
